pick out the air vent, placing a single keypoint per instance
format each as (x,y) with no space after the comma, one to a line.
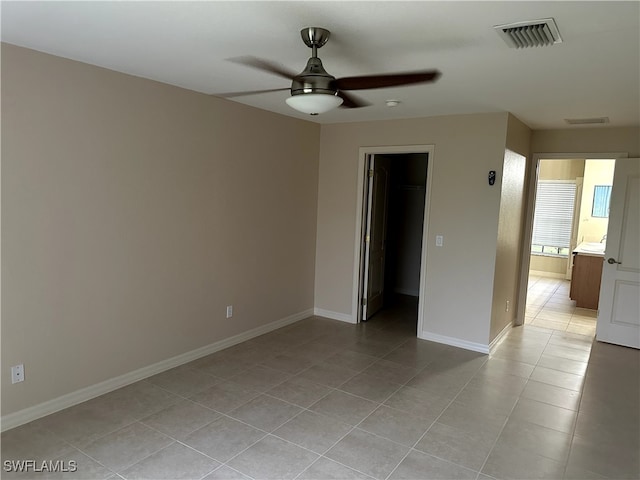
(535,33)
(587,121)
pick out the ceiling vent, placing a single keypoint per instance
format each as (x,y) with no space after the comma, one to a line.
(587,121)
(535,33)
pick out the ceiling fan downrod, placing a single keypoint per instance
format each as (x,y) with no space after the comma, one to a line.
(315,38)
(314,78)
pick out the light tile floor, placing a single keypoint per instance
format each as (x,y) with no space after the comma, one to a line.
(549,306)
(322,399)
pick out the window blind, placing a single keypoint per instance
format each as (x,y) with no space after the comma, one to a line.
(553,216)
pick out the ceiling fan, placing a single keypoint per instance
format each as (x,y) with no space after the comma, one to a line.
(315,91)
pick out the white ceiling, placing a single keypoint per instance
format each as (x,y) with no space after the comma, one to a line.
(593,73)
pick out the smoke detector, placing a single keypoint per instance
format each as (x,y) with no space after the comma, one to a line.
(533,33)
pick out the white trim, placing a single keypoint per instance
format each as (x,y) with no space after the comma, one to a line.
(343,317)
(362,157)
(454,342)
(29,414)
(542,273)
(494,343)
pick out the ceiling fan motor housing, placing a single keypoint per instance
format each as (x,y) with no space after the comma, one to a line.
(313,79)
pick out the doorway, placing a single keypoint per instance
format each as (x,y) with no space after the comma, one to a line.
(550,300)
(390,249)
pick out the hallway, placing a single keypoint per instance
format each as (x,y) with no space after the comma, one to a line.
(549,306)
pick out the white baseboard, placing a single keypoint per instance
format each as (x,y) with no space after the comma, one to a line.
(454,342)
(29,414)
(494,343)
(343,317)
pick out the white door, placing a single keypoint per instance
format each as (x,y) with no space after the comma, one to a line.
(375,235)
(619,307)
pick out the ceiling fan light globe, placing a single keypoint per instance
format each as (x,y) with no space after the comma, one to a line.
(314,103)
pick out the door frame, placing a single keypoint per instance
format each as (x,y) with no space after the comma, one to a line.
(527,230)
(361,203)
(577,205)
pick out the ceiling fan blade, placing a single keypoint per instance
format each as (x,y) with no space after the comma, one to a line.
(390,80)
(264,65)
(351,101)
(248,92)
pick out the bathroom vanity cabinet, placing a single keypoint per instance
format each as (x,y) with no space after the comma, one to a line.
(585,280)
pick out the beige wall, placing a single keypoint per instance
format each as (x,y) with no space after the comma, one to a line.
(518,136)
(133,212)
(542,265)
(510,226)
(561,169)
(596,172)
(463,208)
(587,140)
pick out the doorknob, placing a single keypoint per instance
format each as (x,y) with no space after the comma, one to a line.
(612,261)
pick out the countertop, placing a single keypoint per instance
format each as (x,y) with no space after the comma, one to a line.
(590,248)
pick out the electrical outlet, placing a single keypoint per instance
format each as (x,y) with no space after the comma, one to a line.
(439,240)
(17,373)
(507,306)
(229,311)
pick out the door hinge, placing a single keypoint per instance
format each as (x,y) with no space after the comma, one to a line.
(370,173)
(367,239)
(364,302)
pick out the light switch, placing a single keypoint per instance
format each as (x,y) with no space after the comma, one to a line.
(439,240)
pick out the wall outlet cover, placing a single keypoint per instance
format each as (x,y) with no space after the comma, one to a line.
(17,373)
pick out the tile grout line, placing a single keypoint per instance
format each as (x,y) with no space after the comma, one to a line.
(432,424)
(354,427)
(332,389)
(509,416)
(565,462)
(181,397)
(122,469)
(575,424)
